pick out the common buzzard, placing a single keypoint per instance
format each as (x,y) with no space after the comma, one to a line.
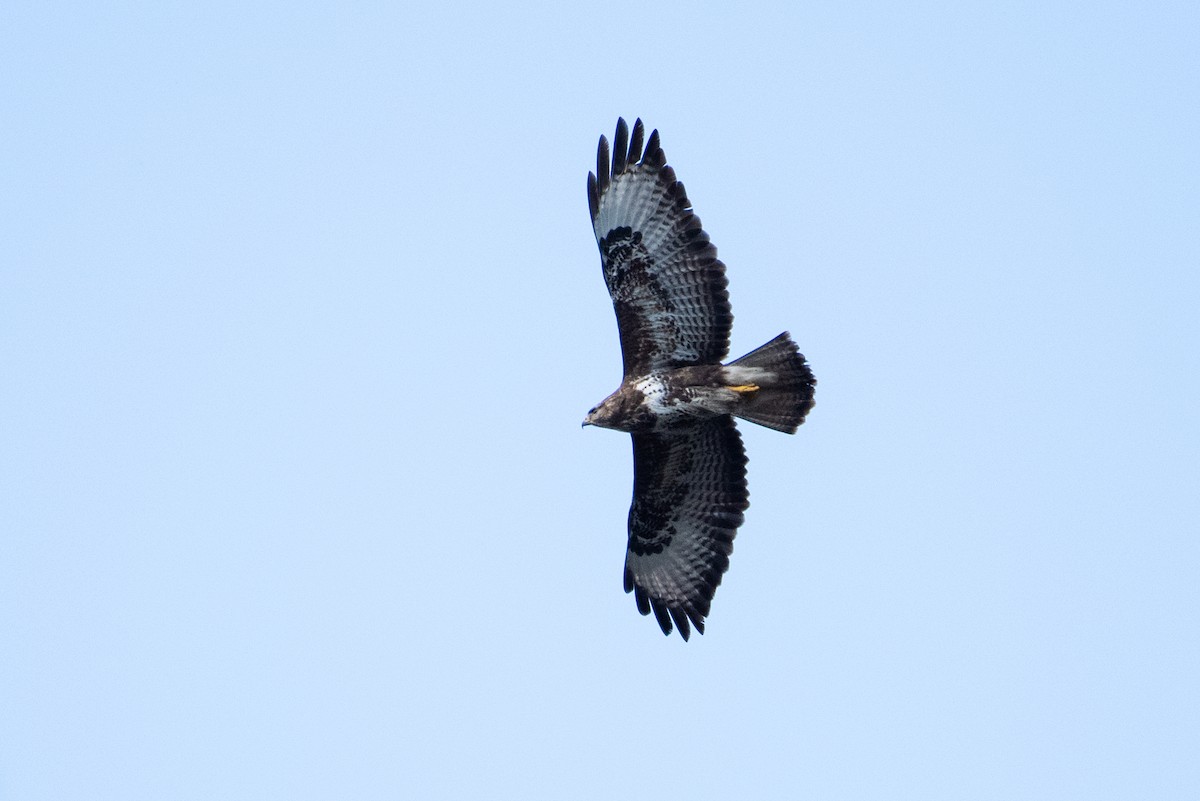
(677,399)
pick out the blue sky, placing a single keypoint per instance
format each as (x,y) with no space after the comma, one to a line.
(300,312)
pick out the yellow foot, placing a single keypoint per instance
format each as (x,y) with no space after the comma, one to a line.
(745,388)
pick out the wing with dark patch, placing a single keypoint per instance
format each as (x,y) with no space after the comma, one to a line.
(666,283)
(689,495)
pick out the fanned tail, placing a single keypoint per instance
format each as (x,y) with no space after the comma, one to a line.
(785,391)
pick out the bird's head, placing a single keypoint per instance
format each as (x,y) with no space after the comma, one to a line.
(599,415)
(617,411)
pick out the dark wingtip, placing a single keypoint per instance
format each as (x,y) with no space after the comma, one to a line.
(593,195)
(626,150)
(602,166)
(681,623)
(642,600)
(635,143)
(620,147)
(662,615)
(654,152)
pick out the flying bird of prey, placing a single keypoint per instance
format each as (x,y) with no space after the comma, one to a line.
(677,399)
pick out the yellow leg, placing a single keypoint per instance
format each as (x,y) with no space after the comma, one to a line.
(745,388)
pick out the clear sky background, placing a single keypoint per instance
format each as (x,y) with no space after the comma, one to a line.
(300,311)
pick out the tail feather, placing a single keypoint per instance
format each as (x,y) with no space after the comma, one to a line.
(783,400)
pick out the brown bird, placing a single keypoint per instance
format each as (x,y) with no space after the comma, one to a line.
(677,399)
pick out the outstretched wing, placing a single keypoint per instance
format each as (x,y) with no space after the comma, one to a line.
(689,493)
(666,283)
